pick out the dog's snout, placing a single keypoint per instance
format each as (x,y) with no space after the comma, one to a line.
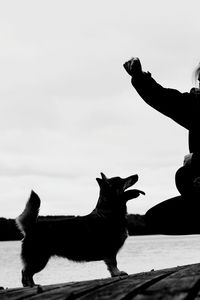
(129,181)
(135,178)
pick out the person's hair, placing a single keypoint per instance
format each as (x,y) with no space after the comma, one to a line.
(197,75)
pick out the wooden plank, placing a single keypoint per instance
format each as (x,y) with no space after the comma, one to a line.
(56,290)
(102,289)
(183,284)
(119,290)
(132,283)
(19,293)
(78,288)
(174,283)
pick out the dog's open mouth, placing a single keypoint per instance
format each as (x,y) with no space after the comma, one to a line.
(133,193)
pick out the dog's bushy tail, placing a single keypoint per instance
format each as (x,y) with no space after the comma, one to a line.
(28,217)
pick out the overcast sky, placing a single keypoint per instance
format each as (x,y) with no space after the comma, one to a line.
(67,107)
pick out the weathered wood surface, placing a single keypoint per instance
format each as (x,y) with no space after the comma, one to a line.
(174,283)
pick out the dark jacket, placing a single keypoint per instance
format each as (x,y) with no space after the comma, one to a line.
(183,108)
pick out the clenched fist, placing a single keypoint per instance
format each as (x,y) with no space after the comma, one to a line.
(133,66)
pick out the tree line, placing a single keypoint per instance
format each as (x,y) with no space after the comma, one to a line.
(9,231)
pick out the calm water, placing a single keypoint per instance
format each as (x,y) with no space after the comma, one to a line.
(141,253)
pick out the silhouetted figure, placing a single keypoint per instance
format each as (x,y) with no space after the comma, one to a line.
(179,214)
(93,237)
(183,108)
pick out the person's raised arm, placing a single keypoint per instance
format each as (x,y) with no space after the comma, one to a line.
(170,102)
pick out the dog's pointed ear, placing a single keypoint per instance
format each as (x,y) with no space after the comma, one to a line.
(99,180)
(103,176)
(105,180)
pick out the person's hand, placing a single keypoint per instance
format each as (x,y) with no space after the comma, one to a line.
(187,159)
(133,66)
(196,183)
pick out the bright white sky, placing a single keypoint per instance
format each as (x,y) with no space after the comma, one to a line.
(67,107)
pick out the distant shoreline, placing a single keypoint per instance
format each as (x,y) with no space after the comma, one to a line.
(9,231)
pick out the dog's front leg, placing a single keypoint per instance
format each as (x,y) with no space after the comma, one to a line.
(111,264)
(27,279)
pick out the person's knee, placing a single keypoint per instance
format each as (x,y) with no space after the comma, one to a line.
(184,179)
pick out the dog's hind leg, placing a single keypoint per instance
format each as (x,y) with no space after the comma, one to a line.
(33,263)
(111,264)
(30,268)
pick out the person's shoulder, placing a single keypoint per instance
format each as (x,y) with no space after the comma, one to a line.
(192,94)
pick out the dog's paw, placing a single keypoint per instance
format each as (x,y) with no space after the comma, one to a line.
(119,273)
(122,273)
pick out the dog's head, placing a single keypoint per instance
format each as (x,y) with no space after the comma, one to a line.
(114,193)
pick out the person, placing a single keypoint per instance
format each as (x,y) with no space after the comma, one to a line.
(183,108)
(180,214)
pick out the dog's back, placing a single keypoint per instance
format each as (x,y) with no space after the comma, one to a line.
(83,238)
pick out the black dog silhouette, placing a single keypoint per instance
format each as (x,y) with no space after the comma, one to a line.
(96,236)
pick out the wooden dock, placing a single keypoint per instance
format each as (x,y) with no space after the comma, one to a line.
(174,283)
